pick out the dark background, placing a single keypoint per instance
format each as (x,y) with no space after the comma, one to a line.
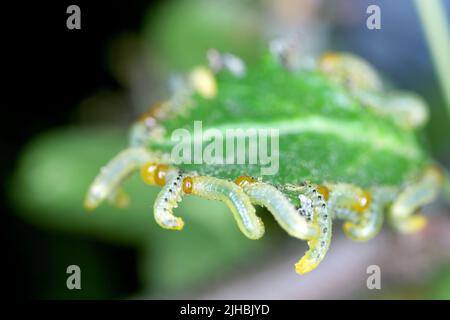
(51,70)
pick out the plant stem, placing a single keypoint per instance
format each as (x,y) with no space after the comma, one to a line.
(435,26)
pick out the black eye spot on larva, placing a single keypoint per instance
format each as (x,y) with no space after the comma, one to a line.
(323,206)
(170,190)
(314,191)
(325,230)
(165,199)
(322,243)
(175,184)
(319,197)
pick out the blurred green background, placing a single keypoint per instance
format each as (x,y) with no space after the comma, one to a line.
(119,64)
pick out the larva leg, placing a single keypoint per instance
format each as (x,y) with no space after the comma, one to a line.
(314,205)
(278,204)
(233,196)
(412,198)
(108,182)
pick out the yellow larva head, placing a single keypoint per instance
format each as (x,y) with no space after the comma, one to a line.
(363,202)
(324,191)
(152,173)
(243,180)
(148,173)
(187,185)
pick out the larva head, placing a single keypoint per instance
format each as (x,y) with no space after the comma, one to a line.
(324,191)
(152,173)
(351,197)
(187,185)
(362,202)
(243,180)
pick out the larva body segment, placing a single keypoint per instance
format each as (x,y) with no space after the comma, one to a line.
(234,197)
(281,208)
(361,210)
(422,191)
(168,199)
(318,246)
(112,175)
(351,71)
(368,223)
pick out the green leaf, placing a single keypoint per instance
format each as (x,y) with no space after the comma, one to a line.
(49,186)
(324,133)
